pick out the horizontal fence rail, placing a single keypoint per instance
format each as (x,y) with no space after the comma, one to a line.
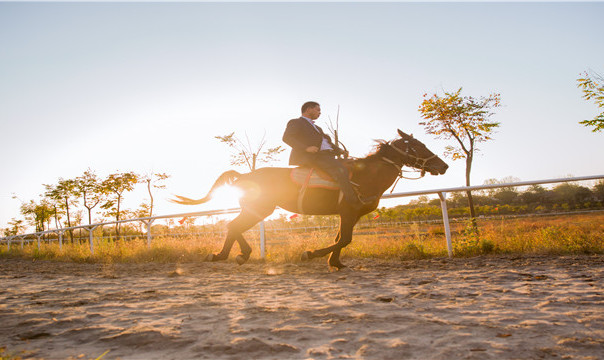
(148,221)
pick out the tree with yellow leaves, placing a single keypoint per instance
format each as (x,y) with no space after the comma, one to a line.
(592,86)
(463,118)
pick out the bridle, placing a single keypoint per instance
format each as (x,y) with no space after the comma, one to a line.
(418,162)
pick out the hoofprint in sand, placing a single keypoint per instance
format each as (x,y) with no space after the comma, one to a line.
(480,308)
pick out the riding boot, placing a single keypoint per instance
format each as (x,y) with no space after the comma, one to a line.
(339,173)
(350,195)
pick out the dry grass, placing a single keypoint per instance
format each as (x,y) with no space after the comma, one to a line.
(109,251)
(576,234)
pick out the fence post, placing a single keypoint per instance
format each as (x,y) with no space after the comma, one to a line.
(262,240)
(149,236)
(443,205)
(61,240)
(91,237)
(9,240)
(149,233)
(22,241)
(39,236)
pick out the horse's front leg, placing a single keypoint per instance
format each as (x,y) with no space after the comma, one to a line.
(346,227)
(345,239)
(308,255)
(334,259)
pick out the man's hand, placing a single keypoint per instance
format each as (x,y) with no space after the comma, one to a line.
(342,152)
(312,149)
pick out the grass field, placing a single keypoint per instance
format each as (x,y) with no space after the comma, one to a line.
(568,234)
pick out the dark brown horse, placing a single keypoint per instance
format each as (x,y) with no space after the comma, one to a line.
(266,188)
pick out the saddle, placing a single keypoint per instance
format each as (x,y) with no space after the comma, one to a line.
(314,178)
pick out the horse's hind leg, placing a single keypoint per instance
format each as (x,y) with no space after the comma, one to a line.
(224,253)
(235,229)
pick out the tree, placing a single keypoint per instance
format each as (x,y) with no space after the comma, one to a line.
(592,86)
(598,190)
(244,154)
(503,195)
(493,181)
(152,180)
(89,188)
(117,184)
(15,227)
(571,194)
(37,213)
(463,118)
(57,214)
(62,195)
(536,194)
(143,210)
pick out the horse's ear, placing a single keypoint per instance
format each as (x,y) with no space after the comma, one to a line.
(402,134)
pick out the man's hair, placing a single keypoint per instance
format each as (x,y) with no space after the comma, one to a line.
(309,104)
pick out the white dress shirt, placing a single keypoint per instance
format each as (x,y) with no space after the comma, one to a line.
(325,145)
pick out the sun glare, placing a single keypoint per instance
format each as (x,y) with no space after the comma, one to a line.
(227,197)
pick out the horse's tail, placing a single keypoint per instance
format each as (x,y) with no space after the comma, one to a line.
(227,177)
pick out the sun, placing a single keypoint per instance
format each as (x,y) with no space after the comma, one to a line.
(226,197)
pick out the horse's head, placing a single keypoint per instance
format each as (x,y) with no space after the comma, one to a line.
(415,154)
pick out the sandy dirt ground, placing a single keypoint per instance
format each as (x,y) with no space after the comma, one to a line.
(480,308)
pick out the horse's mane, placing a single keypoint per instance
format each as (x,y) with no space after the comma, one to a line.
(378,150)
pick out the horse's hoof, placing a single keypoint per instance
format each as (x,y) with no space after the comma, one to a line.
(305,256)
(214,258)
(336,266)
(241,259)
(339,269)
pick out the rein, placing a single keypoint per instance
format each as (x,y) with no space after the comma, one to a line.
(418,163)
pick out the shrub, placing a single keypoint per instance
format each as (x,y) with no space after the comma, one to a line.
(414,251)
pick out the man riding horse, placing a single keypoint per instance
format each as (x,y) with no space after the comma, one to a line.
(265,189)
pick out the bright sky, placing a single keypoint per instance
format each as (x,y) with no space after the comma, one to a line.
(146,86)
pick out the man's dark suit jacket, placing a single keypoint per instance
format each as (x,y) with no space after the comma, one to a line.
(300,134)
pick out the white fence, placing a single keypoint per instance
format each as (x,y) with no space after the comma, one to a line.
(148,221)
